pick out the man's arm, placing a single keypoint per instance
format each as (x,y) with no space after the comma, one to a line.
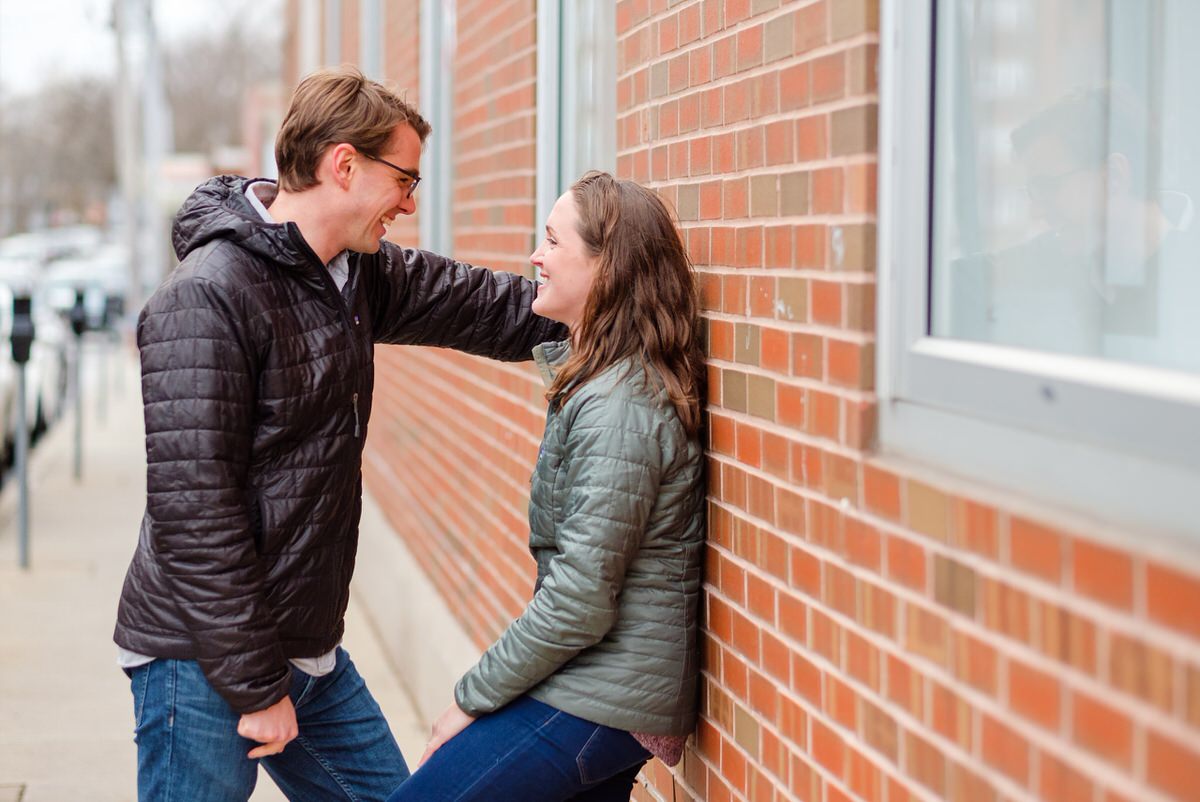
(198,392)
(420,298)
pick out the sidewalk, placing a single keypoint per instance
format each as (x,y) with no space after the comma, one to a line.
(66,716)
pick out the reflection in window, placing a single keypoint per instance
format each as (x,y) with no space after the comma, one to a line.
(1066,169)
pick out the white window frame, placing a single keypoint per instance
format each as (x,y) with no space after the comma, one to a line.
(310,39)
(333,32)
(576,95)
(1117,443)
(370,38)
(439,38)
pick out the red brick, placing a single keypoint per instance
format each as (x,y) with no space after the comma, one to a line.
(1005,750)
(1061,781)
(827,190)
(806,679)
(749,47)
(976,663)
(829,77)
(827,747)
(881,489)
(925,763)
(810,246)
(1036,549)
(950,715)
(904,686)
(1034,694)
(812,138)
(1104,574)
(812,29)
(1173,598)
(906,563)
(722,437)
(975,528)
(863,544)
(794,86)
(793,617)
(789,406)
(1103,730)
(775,354)
(1171,767)
(826,302)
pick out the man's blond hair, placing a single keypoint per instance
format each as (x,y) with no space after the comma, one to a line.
(333,106)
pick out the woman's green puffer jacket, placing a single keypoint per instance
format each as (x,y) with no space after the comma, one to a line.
(616,518)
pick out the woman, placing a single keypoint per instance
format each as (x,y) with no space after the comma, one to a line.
(600,671)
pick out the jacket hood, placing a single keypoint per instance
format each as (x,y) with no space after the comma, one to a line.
(218,209)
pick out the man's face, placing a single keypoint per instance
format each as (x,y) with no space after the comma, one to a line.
(382,192)
(1068,196)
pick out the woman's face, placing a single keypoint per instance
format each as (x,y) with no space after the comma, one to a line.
(566,268)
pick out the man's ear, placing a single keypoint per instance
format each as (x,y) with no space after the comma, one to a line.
(340,164)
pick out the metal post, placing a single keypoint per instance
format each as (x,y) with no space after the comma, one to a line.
(102,382)
(77,377)
(78,326)
(21,338)
(22,468)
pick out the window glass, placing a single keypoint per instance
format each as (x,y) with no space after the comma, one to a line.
(1066,168)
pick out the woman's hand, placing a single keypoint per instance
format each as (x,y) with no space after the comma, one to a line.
(448,724)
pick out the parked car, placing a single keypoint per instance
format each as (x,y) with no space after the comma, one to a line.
(45,373)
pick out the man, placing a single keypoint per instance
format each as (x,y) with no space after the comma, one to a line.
(256,379)
(1112,271)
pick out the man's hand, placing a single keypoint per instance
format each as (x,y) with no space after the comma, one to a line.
(448,724)
(272,727)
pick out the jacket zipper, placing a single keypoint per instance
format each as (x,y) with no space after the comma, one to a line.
(343,311)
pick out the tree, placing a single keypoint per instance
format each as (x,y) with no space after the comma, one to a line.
(208,74)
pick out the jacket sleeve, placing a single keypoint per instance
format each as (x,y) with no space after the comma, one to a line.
(425,299)
(613,468)
(198,391)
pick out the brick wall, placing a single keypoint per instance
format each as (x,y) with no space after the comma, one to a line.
(454,438)
(874,630)
(401,30)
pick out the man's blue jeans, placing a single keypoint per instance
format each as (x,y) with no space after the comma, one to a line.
(189,749)
(529,752)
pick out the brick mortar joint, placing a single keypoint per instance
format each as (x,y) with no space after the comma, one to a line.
(1069,678)
(1047,741)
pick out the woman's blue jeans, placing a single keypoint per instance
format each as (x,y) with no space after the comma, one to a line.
(529,752)
(189,749)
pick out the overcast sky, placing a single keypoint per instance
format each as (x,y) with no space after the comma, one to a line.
(42,39)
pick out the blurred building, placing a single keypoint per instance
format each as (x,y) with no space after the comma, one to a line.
(943,563)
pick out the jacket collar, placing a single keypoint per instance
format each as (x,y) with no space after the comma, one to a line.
(549,357)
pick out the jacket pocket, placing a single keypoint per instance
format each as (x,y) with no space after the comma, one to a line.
(254,506)
(139,682)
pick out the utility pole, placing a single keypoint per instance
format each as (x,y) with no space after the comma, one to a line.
(143,138)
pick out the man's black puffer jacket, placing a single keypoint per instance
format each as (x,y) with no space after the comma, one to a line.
(256,380)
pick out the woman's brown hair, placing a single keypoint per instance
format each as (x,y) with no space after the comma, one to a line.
(643,304)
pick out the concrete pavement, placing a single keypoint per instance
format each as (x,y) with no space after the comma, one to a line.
(66,717)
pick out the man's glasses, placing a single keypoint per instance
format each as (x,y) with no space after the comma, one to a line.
(413,178)
(1044,188)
